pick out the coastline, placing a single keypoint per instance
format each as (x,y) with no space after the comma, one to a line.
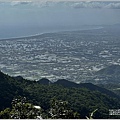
(52,31)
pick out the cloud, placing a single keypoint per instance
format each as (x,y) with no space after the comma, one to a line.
(74,4)
(113,6)
(93,4)
(37,3)
(14,3)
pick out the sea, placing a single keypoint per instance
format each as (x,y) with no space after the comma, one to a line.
(8,32)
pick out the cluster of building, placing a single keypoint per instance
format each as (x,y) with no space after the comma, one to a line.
(75,56)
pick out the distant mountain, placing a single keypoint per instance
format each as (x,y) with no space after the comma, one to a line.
(70,84)
(110,70)
(44,81)
(66,83)
(19,78)
(83,98)
(107,75)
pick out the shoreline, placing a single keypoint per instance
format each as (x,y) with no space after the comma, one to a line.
(53,31)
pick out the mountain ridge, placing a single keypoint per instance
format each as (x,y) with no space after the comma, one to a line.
(80,99)
(70,84)
(110,70)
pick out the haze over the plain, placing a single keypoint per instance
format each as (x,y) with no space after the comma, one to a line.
(27,17)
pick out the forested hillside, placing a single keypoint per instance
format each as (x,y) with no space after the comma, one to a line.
(82,98)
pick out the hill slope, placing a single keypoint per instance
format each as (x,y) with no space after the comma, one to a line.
(88,86)
(107,75)
(8,90)
(81,99)
(110,70)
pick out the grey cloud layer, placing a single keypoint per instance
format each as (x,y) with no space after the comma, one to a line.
(107,5)
(77,5)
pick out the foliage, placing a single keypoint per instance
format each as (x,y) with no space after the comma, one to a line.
(60,110)
(80,99)
(21,109)
(5,114)
(24,110)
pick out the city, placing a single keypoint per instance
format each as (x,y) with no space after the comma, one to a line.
(71,55)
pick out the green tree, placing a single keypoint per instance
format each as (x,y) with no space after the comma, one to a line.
(21,109)
(60,109)
(5,114)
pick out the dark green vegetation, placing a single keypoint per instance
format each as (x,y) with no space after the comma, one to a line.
(114,87)
(21,109)
(81,98)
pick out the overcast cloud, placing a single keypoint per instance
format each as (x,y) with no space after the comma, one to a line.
(74,4)
(105,5)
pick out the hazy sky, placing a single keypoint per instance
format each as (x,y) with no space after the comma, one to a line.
(57,14)
(62,13)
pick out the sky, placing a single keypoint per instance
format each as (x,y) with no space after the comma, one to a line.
(44,15)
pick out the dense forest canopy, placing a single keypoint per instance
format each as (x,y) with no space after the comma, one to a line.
(82,99)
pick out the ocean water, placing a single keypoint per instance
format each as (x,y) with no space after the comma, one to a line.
(7,32)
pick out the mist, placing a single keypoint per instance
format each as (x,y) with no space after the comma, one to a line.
(23,18)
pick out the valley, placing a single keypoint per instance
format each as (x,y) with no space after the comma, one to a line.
(71,55)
